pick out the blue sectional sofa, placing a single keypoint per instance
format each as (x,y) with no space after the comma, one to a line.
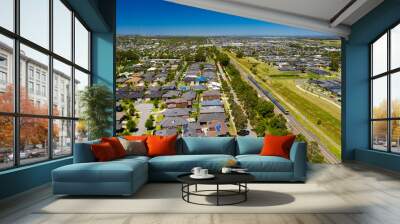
(125,176)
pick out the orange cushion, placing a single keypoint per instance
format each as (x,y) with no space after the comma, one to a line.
(161,145)
(116,145)
(136,137)
(103,152)
(277,145)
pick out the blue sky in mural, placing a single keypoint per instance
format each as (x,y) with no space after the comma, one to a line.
(157,17)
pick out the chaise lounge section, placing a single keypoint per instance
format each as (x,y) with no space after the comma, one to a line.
(125,176)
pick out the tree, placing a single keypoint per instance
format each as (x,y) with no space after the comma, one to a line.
(33,131)
(97,103)
(156,103)
(335,60)
(131,125)
(149,124)
(240,54)
(223,59)
(265,109)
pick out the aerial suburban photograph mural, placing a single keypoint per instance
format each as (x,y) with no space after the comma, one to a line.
(201,73)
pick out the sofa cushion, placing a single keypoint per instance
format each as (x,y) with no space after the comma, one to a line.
(103,152)
(134,147)
(277,145)
(116,145)
(208,145)
(249,145)
(112,171)
(257,163)
(185,163)
(161,145)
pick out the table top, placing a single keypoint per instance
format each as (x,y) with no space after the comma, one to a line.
(220,178)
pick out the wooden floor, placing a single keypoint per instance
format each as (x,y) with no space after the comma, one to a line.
(379,189)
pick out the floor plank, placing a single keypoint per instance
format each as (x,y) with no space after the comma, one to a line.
(378,190)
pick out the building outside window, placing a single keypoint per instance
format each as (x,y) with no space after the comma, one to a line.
(34,80)
(385,97)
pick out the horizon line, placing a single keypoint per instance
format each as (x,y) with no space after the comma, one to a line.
(275,36)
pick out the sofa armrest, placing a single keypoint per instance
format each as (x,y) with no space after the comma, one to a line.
(298,155)
(83,152)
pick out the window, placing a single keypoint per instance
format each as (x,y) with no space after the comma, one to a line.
(47,77)
(62,74)
(385,95)
(6,74)
(6,142)
(81,45)
(62,137)
(35,21)
(62,29)
(7,14)
(81,82)
(30,88)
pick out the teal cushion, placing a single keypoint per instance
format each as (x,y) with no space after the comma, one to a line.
(111,171)
(185,163)
(257,163)
(208,145)
(83,152)
(249,145)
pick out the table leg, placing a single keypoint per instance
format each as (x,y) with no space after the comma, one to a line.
(195,188)
(217,194)
(245,193)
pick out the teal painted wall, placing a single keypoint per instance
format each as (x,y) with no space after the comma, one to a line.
(24,178)
(103,64)
(355,86)
(99,15)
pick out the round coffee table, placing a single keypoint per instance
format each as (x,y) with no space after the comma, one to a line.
(238,179)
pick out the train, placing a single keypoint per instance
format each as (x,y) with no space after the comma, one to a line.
(269,95)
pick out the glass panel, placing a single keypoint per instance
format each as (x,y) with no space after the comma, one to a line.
(395,47)
(62,138)
(81,45)
(62,89)
(6,74)
(81,131)
(395,138)
(379,135)
(6,142)
(7,14)
(62,29)
(34,97)
(81,82)
(395,94)
(35,21)
(379,97)
(33,139)
(379,55)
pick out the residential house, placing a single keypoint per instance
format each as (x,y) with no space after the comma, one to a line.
(189,96)
(211,103)
(211,109)
(177,112)
(205,118)
(171,94)
(173,122)
(178,103)
(211,95)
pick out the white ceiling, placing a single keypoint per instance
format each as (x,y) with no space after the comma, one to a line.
(318,15)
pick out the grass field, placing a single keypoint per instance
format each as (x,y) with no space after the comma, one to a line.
(315,114)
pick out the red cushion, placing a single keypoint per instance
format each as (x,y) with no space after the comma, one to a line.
(161,145)
(277,145)
(103,152)
(116,145)
(136,137)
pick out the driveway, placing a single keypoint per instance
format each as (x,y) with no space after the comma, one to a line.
(144,110)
